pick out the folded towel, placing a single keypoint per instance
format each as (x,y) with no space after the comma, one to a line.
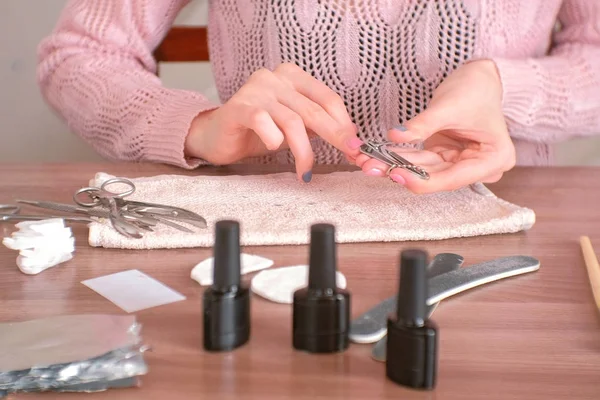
(276,209)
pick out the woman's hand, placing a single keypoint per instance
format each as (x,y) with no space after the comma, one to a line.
(465,136)
(274,110)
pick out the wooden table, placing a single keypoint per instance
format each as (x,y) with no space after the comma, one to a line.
(535,336)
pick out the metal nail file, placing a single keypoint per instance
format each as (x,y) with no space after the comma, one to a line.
(446,285)
(372,325)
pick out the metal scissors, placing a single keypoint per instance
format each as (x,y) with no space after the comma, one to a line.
(11,212)
(140,220)
(116,203)
(101,196)
(380,152)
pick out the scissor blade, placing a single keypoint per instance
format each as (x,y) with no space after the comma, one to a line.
(18,217)
(164,211)
(93,212)
(166,218)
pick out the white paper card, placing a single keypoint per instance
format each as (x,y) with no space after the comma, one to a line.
(133,290)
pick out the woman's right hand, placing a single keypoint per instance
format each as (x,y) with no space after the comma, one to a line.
(274,110)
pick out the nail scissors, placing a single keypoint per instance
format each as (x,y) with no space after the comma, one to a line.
(379,151)
(141,221)
(115,201)
(159,211)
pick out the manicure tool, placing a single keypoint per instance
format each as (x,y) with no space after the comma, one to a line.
(380,152)
(10,212)
(441,286)
(102,196)
(592,266)
(372,325)
(454,282)
(143,221)
(118,207)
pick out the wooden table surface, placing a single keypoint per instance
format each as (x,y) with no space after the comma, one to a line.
(535,336)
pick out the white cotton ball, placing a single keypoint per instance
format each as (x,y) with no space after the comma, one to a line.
(279,284)
(31,242)
(203,271)
(44,249)
(41,244)
(33,266)
(58,234)
(42,226)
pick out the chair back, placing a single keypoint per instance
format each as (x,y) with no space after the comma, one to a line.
(184,44)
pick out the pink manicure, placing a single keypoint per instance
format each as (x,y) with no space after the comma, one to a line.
(354,143)
(374,172)
(398,179)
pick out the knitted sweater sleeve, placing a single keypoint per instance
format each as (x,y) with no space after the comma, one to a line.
(557,97)
(97,71)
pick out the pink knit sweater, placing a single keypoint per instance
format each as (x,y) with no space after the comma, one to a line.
(384,57)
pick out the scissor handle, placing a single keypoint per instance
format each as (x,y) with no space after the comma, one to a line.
(96,194)
(9,209)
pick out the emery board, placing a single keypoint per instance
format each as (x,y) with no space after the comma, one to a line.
(454,282)
(372,325)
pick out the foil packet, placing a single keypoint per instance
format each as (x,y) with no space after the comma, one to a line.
(77,353)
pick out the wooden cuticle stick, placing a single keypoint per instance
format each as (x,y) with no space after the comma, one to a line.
(593,268)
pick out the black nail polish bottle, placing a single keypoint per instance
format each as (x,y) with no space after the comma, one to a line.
(227,302)
(412,339)
(321,311)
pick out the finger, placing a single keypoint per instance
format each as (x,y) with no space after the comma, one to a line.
(455,176)
(261,123)
(361,159)
(351,160)
(297,139)
(493,178)
(422,126)
(315,90)
(319,121)
(322,110)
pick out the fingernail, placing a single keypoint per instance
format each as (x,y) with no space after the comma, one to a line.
(398,179)
(307,176)
(401,128)
(354,143)
(374,172)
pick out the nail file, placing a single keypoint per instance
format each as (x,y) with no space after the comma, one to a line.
(451,283)
(372,325)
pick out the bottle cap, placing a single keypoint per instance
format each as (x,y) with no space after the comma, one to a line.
(322,261)
(227,263)
(321,311)
(412,340)
(412,293)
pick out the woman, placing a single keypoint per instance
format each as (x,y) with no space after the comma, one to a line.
(478,85)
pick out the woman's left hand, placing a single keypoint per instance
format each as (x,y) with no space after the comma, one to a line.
(464,133)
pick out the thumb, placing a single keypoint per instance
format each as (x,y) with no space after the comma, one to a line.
(420,127)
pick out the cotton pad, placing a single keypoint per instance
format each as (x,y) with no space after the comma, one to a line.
(41,244)
(279,284)
(203,272)
(33,266)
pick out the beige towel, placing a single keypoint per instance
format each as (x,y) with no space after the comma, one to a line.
(277,209)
